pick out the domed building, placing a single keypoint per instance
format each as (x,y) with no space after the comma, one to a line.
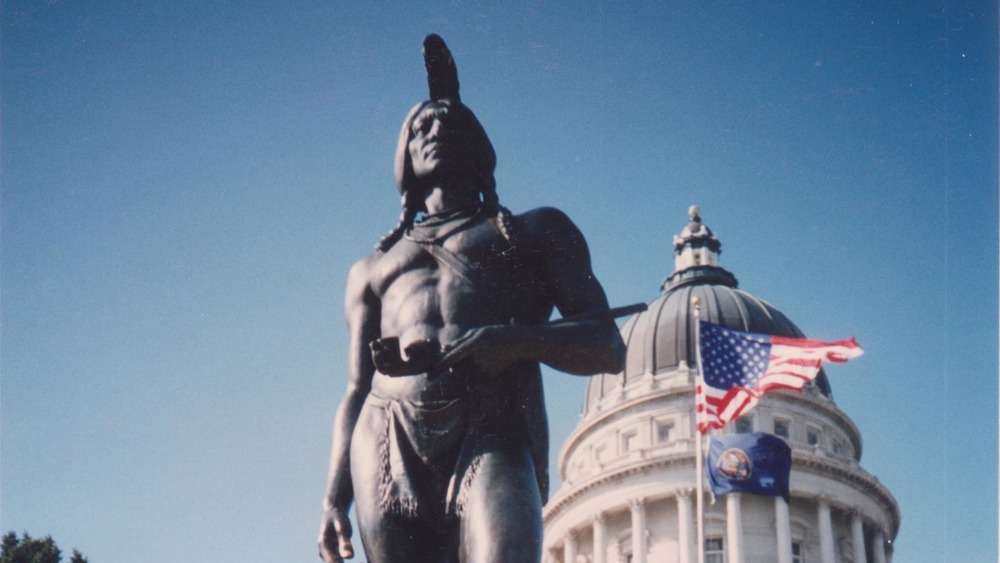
(628,469)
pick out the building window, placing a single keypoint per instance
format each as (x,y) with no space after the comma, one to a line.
(663,429)
(714,551)
(797,552)
(744,424)
(838,447)
(781,428)
(625,550)
(629,441)
(812,437)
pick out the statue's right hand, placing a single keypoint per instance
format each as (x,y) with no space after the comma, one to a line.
(335,536)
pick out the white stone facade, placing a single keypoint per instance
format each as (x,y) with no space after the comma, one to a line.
(628,487)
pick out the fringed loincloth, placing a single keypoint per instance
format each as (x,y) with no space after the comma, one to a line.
(427,457)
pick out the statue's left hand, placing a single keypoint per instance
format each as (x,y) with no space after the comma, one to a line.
(335,536)
(489,350)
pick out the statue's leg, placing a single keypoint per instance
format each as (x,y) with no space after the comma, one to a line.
(502,513)
(386,537)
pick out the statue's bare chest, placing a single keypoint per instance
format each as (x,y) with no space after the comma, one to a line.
(476,259)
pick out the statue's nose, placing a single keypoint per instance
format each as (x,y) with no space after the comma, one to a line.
(437,128)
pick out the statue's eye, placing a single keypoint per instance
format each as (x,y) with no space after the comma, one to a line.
(422,126)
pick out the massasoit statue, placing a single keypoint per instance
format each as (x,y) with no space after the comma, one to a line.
(441,438)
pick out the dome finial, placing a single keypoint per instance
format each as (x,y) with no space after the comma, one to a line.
(696,255)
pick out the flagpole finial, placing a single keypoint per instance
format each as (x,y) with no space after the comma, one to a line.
(696,303)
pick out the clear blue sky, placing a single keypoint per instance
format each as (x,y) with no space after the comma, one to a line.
(185,184)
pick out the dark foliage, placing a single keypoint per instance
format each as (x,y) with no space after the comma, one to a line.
(33,550)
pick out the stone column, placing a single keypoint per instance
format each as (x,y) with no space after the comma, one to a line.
(784,530)
(878,546)
(569,547)
(826,553)
(858,538)
(734,527)
(685,523)
(638,530)
(600,539)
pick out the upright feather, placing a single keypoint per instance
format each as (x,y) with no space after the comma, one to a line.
(442,75)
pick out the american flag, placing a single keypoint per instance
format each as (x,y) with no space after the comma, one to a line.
(738,367)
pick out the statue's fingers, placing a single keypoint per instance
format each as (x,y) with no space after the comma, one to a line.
(449,359)
(346,549)
(342,525)
(460,341)
(328,552)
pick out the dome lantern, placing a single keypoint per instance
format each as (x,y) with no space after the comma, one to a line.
(696,245)
(696,256)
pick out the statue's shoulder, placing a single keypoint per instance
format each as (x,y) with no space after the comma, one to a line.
(544,221)
(364,266)
(361,275)
(549,228)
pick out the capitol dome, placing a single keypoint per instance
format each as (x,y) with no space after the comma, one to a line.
(628,469)
(662,338)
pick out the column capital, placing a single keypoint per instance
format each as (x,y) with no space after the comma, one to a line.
(856,514)
(685,492)
(600,518)
(637,503)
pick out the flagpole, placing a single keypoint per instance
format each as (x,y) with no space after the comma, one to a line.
(699,455)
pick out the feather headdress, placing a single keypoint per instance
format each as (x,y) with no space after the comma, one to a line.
(442,74)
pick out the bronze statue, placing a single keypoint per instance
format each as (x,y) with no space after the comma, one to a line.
(441,437)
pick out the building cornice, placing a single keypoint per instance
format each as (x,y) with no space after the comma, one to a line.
(664,387)
(848,474)
(560,501)
(852,476)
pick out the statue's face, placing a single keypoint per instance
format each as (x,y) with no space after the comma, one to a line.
(441,145)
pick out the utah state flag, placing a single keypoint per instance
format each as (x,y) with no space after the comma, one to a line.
(757,463)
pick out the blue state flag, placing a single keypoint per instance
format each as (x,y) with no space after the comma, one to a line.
(756,463)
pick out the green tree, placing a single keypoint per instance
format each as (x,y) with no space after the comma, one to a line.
(31,550)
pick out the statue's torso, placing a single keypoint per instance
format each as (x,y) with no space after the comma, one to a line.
(426,299)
